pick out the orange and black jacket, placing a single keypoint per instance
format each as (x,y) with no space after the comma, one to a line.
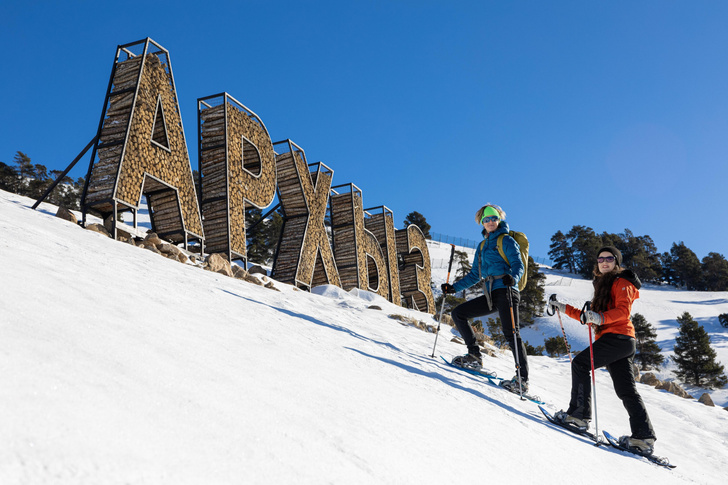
(625,290)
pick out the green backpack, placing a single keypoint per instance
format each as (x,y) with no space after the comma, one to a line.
(522,241)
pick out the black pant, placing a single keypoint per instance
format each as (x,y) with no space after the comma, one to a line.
(617,353)
(478,307)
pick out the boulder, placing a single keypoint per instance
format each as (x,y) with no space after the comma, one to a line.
(270,286)
(171,251)
(153,249)
(66,215)
(98,228)
(252,279)
(257,270)
(239,272)
(650,379)
(217,263)
(706,399)
(153,239)
(673,388)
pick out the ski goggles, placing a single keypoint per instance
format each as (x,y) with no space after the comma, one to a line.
(606,259)
(489,219)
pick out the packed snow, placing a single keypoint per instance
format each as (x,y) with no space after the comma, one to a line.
(118,366)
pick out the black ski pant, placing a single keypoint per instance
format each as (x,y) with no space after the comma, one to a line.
(616,352)
(478,307)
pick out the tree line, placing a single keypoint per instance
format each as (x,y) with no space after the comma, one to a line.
(576,252)
(32,180)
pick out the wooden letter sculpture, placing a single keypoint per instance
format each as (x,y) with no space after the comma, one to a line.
(358,256)
(141,148)
(381,224)
(415,276)
(237,164)
(304,256)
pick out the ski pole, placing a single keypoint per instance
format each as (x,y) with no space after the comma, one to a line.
(585,309)
(442,307)
(515,342)
(563,332)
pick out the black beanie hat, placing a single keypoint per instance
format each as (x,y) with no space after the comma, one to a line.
(616,252)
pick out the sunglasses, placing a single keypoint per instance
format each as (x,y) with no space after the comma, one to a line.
(607,259)
(490,219)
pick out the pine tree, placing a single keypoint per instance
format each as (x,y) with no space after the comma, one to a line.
(418,220)
(555,346)
(9,178)
(462,263)
(695,357)
(532,297)
(585,244)
(262,239)
(715,272)
(561,253)
(682,267)
(639,253)
(495,329)
(648,352)
(531,350)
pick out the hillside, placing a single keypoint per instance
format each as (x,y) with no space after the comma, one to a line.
(120,366)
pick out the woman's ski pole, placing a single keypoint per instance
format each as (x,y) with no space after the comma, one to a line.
(447,280)
(585,309)
(563,332)
(515,342)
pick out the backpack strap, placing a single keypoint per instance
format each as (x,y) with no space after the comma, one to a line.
(499,243)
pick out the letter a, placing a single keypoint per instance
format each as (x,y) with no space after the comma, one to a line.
(141,148)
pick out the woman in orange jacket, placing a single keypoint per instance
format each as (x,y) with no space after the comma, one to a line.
(615,289)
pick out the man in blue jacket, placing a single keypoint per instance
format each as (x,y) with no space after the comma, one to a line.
(500,278)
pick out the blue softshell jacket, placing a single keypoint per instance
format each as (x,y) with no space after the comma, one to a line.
(489,263)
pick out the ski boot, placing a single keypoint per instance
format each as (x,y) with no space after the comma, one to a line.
(468,361)
(513,385)
(645,446)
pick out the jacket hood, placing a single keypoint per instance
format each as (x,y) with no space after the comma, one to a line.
(629,275)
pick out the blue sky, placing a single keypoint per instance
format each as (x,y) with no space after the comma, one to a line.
(611,115)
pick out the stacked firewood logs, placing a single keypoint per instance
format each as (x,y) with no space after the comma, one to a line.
(305,256)
(359,258)
(237,165)
(415,275)
(381,224)
(127,156)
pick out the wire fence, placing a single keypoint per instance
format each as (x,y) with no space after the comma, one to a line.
(457,241)
(465,243)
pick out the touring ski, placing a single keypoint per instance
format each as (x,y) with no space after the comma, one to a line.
(658,460)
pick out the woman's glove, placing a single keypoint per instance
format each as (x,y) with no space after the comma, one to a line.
(555,304)
(447,288)
(509,280)
(592,318)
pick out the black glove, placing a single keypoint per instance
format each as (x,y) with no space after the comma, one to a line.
(447,288)
(508,280)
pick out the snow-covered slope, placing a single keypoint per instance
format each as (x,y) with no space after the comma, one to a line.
(120,366)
